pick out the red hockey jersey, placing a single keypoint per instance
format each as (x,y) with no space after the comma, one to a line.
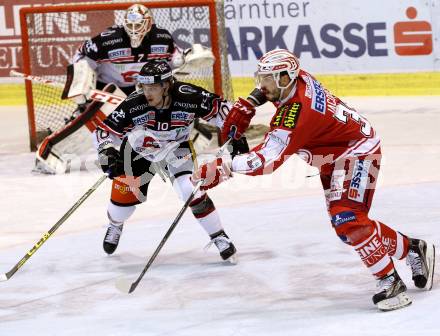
(314,124)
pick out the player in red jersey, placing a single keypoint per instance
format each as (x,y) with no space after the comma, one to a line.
(328,134)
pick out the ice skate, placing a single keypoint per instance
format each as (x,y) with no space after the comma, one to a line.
(112,237)
(225,246)
(421,259)
(391,294)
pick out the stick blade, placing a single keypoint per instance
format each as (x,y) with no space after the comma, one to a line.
(124,286)
(3,277)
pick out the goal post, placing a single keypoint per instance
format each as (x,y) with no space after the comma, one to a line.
(51,35)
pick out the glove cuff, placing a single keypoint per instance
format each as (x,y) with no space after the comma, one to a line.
(248,105)
(257,97)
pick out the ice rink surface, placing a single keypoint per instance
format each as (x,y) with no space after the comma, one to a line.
(294,276)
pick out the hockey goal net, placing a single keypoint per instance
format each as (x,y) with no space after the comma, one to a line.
(52,34)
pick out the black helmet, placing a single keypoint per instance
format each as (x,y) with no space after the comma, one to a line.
(154,72)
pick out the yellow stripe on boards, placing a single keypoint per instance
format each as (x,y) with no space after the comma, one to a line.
(398,84)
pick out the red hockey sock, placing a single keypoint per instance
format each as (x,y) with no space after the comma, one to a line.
(375,256)
(396,242)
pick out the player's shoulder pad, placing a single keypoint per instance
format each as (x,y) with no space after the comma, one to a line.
(188,90)
(286,116)
(193,96)
(110,38)
(160,33)
(315,92)
(110,32)
(134,103)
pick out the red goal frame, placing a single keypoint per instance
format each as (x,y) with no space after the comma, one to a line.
(110,6)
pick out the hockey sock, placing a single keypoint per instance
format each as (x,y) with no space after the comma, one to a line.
(211,223)
(118,214)
(396,243)
(375,256)
(204,210)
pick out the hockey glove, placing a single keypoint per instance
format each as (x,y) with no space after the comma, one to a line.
(213,173)
(239,117)
(241,113)
(111,162)
(239,146)
(257,97)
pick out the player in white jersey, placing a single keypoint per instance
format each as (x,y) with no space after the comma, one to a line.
(154,125)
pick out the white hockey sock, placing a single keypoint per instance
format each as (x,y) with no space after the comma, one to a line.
(211,222)
(118,215)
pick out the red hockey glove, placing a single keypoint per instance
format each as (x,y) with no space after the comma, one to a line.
(212,173)
(239,117)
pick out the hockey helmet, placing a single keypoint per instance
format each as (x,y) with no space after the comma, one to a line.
(275,63)
(137,23)
(155,71)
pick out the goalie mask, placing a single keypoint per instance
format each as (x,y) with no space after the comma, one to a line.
(156,79)
(137,23)
(275,63)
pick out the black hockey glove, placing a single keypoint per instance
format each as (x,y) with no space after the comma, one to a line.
(239,146)
(111,162)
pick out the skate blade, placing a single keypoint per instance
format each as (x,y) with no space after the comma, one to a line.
(430,259)
(397,302)
(123,285)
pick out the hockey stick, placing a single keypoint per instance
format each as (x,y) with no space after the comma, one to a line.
(128,287)
(47,235)
(98,95)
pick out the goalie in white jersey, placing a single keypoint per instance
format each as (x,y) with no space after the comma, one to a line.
(117,54)
(110,61)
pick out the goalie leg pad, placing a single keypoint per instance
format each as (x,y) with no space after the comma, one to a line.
(49,160)
(81,79)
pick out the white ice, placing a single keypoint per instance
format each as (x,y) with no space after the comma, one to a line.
(294,276)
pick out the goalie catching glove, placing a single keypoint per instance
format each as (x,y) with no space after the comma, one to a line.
(213,173)
(111,162)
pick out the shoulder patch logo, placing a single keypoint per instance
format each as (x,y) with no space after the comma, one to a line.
(91,46)
(108,32)
(187,89)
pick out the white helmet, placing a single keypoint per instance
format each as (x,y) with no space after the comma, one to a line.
(137,23)
(276,62)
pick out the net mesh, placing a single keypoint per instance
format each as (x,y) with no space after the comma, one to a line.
(54,38)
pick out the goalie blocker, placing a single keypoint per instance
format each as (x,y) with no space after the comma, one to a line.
(49,159)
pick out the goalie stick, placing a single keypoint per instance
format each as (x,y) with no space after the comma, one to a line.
(47,235)
(98,95)
(128,287)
